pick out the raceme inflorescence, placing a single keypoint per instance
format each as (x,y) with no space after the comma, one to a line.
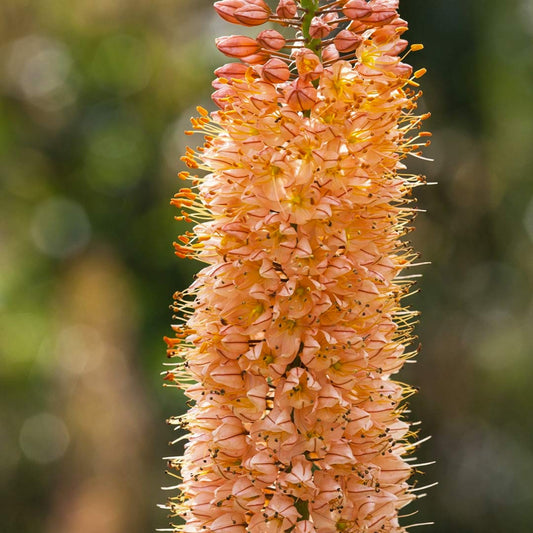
(287,341)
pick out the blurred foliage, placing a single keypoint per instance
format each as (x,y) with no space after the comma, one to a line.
(95,95)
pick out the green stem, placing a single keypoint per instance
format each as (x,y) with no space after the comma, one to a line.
(310,7)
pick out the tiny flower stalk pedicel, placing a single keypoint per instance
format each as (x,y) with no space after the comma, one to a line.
(288,340)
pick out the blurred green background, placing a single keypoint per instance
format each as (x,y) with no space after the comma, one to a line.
(95,95)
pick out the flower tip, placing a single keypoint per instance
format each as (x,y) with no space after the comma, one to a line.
(417,47)
(420,72)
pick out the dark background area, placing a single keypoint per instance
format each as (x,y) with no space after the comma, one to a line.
(95,95)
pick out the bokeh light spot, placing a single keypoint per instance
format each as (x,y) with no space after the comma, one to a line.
(44,438)
(60,227)
(38,69)
(79,349)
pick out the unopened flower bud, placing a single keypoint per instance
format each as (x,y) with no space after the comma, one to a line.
(383,11)
(260,3)
(286,9)
(331,19)
(276,71)
(231,71)
(356,9)
(301,95)
(319,28)
(346,41)
(255,59)
(271,39)
(330,53)
(227,8)
(357,26)
(253,15)
(237,45)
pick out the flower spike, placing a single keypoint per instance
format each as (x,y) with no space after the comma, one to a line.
(288,342)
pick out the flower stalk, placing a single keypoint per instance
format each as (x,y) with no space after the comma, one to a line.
(287,342)
(310,8)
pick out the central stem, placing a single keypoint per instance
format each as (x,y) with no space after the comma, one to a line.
(310,7)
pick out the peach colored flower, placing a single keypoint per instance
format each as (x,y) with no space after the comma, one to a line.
(287,342)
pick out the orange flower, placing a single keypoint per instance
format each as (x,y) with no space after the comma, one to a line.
(287,342)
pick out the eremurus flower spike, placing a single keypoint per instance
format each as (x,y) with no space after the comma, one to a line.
(287,342)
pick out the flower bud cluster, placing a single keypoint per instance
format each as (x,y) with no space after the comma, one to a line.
(287,341)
